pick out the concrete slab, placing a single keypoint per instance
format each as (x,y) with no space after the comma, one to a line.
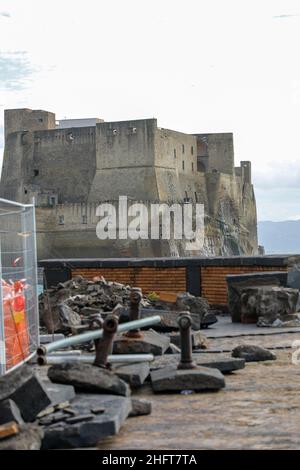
(134,374)
(170,379)
(88,433)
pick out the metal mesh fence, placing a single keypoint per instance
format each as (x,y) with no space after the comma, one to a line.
(18,287)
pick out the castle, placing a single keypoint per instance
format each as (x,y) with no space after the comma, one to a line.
(70,166)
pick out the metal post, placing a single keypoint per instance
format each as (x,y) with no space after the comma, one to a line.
(135,311)
(184,322)
(105,344)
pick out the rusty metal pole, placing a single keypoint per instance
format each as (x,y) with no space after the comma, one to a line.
(184,322)
(104,345)
(135,311)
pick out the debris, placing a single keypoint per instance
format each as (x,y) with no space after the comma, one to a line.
(80,418)
(59,393)
(89,432)
(29,437)
(9,412)
(88,378)
(140,407)
(253,353)
(8,429)
(199,340)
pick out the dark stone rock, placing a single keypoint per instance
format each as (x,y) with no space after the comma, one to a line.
(89,432)
(253,353)
(140,407)
(208,319)
(224,364)
(268,303)
(31,397)
(9,412)
(88,378)
(151,343)
(59,393)
(134,374)
(200,379)
(29,438)
(237,282)
(10,382)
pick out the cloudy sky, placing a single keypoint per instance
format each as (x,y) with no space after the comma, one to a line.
(196,65)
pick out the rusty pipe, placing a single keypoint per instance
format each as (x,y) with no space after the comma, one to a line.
(104,345)
(135,311)
(186,360)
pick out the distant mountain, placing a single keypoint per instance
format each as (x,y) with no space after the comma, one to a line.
(279,237)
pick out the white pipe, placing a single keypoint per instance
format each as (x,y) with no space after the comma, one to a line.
(90,358)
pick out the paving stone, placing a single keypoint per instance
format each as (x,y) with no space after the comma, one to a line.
(140,407)
(59,393)
(88,433)
(134,374)
(252,353)
(9,412)
(224,364)
(171,379)
(29,438)
(88,378)
(32,397)
(151,343)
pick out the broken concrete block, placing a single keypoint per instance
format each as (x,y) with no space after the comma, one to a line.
(171,379)
(59,393)
(29,437)
(140,407)
(251,353)
(10,382)
(224,364)
(31,398)
(88,378)
(89,432)
(134,374)
(150,343)
(9,412)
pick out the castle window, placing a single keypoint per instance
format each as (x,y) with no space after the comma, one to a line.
(192,166)
(192,150)
(41,119)
(196,197)
(174,153)
(183,164)
(36,172)
(84,219)
(52,200)
(61,220)
(25,191)
(182,148)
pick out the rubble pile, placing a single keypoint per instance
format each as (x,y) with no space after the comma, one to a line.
(71,306)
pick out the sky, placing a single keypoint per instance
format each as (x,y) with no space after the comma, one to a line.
(196,65)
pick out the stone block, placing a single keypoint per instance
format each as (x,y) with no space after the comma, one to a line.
(59,393)
(89,432)
(9,412)
(88,378)
(171,379)
(237,282)
(134,374)
(199,340)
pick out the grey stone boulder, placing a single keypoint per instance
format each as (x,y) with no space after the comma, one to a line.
(251,353)
(88,378)
(140,407)
(134,374)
